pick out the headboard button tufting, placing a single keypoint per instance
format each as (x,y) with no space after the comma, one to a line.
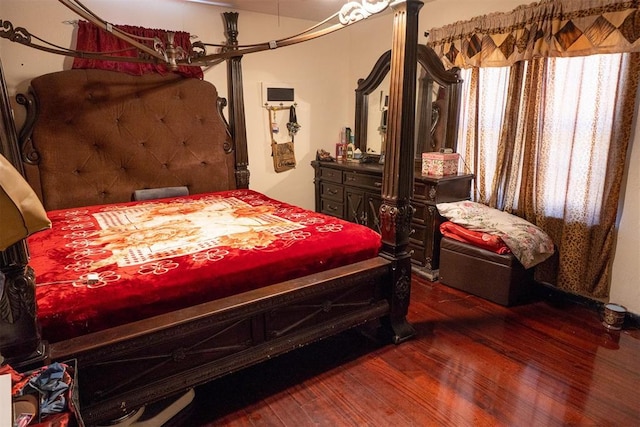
(117,138)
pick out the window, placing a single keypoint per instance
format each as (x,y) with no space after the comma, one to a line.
(564,130)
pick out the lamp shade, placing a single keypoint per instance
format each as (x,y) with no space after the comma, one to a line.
(21,213)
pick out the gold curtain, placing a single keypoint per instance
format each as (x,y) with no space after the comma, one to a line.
(545,29)
(515,175)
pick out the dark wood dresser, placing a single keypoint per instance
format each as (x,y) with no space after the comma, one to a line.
(352,191)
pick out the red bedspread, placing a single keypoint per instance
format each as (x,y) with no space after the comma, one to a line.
(103,266)
(480,239)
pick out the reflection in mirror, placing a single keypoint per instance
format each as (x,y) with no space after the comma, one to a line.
(377,121)
(437,105)
(368,88)
(431,115)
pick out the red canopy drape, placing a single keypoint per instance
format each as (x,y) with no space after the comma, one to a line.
(94,39)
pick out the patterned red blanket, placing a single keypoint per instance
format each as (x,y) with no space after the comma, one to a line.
(104,266)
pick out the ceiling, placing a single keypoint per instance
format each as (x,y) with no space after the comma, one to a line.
(312,10)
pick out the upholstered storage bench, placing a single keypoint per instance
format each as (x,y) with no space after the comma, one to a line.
(498,278)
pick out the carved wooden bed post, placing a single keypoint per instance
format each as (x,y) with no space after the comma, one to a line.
(20,340)
(236,103)
(397,187)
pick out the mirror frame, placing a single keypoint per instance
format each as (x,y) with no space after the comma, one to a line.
(365,87)
(434,72)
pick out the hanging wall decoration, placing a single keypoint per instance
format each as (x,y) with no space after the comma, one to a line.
(284,157)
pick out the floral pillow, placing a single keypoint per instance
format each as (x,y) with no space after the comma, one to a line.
(528,243)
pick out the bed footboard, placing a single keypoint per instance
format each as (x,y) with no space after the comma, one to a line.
(123,368)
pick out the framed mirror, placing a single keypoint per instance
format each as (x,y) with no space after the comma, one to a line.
(370,124)
(437,105)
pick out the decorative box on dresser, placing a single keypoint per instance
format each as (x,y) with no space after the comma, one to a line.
(352,191)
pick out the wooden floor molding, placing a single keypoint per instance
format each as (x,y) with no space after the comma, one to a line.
(472,363)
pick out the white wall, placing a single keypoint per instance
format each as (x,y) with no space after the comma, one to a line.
(324,73)
(625,286)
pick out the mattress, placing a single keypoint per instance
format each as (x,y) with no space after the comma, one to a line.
(104,266)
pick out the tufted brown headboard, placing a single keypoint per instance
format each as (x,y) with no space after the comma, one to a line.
(94,137)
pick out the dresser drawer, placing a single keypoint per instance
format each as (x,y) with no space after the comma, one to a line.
(420,213)
(331,207)
(362,180)
(425,191)
(332,175)
(417,254)
(425,214)
(331,191)
(419,233)
(443,190)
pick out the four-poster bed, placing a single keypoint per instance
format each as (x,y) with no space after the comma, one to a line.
(142,360)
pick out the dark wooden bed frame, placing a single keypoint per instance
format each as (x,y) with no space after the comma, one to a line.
(128,366)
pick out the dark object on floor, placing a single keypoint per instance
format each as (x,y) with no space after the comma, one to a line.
(498,278)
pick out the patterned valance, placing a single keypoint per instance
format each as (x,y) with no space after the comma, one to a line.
(544,29)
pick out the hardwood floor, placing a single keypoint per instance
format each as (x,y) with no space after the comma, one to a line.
(472,363)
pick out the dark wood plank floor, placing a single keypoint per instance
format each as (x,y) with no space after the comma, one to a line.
(475,363)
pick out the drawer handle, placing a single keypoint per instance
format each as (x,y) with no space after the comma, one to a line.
(331,191)
(333,208)
(377,184)
(351,178)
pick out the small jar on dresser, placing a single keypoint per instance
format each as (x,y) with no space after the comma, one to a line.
(353,191)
